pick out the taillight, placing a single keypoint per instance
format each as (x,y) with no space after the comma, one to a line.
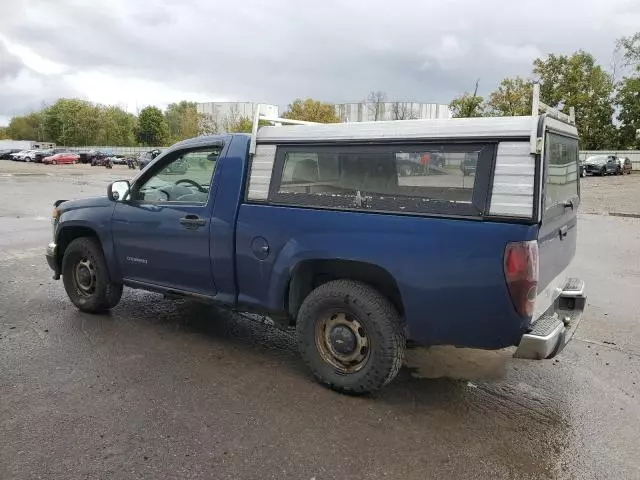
(521,273)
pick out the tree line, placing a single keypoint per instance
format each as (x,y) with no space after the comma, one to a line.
(607,109)
(76,122)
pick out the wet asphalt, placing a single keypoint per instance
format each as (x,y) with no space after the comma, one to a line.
(171,389)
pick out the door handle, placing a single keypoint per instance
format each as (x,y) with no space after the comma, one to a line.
(193,221)
(563,232)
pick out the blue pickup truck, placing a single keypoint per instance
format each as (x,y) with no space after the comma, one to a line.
(314,226)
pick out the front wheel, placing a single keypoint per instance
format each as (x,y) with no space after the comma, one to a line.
(350,336)
(86,278)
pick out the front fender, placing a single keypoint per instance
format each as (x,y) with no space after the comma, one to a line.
(75,223)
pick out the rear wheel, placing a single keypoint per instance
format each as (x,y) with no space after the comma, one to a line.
(86,278)
(27,159)
(350,336)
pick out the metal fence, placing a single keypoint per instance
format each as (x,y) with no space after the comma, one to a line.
(633,155)
(126,151)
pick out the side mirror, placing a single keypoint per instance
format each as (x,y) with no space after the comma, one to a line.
(118,191)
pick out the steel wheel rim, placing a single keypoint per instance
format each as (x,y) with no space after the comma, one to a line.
(342,322)
(84,277)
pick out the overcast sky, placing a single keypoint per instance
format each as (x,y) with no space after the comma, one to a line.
(140,52)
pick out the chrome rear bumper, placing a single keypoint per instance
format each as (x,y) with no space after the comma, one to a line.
(555,328)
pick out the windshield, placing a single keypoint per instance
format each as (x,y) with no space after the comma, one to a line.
(596,159)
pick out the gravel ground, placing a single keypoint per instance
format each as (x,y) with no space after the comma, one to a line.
(611,195)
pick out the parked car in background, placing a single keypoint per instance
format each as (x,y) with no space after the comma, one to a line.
(468,164)
(602,165)
(24,156)
(146,158)
(99,159)
(62,159)
(625,165)
(39,155)
(6,153)
(29,156)
(87,156)
(117,160)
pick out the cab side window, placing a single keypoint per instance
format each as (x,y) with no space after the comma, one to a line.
(183,177)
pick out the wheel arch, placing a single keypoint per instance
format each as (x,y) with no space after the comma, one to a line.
(69,232)
(311,273)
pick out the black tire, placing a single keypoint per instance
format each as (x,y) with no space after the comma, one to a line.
(105,294)
(365,307)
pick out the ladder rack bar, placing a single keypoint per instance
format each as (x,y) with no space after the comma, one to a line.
(258,117)
(538,108)
(286,121)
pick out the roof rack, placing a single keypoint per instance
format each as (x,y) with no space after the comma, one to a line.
(539,108)
(258,117)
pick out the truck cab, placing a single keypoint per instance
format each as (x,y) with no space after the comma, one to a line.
(318,227)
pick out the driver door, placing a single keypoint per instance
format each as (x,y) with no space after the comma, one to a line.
(161,229)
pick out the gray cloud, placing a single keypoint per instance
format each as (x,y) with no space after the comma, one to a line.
(23,90)
(332,50)
(10,65)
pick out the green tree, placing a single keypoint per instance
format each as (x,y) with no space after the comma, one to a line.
(4,133)
(72,122)
(630,48)
(467,105)
(577,81)
(152,127)
(311,111)
(117,127)
(241,125)
(182,120)
(628,100)
(27,127)
(512,97)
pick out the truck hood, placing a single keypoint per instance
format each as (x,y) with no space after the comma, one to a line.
(92,202)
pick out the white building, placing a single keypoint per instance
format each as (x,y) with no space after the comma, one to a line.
(369,112)
(224,113)
(218,115)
